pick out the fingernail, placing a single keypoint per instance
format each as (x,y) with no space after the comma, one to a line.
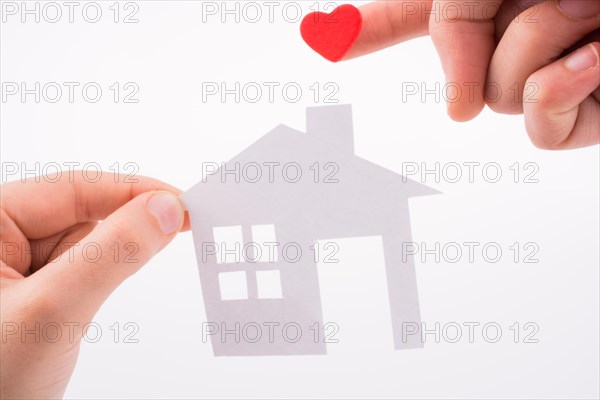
(583,59)
(579,8)
(167,210)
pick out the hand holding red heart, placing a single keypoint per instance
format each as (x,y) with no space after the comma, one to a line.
(488,47)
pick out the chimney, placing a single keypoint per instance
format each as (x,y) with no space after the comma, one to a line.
(332,124)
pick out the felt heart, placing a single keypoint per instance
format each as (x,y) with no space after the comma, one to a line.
(332,35)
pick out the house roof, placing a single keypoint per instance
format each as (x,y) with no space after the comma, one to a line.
(329,140)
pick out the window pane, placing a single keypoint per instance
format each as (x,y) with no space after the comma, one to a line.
(229,242)
(233,285)
(269,284)
(264,238)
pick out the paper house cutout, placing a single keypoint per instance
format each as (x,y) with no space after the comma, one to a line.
(234,211)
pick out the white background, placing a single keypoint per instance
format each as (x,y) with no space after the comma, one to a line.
(169,53)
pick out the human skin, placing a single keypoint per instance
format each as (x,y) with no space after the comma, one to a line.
(548,50)
(46,278)
(50,287)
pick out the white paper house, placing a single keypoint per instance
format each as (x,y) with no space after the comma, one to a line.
(351,197)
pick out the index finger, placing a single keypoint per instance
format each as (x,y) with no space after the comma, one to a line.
(43,206)
(388,22)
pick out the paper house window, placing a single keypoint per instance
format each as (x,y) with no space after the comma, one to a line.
(231,247)
(233,285)
(263,236)
(262,248)
(229,242)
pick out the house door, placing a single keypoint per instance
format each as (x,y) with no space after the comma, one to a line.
(354,295)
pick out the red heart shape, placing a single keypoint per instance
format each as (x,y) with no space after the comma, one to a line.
(332,35)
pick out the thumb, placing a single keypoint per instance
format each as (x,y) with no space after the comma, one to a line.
(564,112)
(85,275)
